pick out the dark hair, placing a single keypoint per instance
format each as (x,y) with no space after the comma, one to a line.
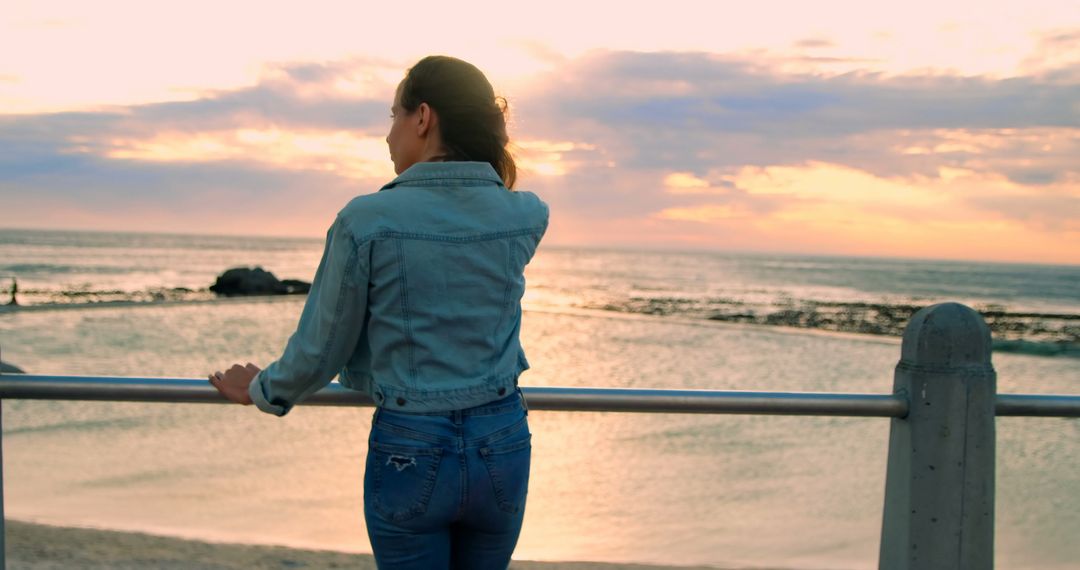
(472,120)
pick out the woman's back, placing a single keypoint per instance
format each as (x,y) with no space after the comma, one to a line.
(447,245)
(416,301)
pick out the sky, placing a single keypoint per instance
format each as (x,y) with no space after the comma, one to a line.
(928,129)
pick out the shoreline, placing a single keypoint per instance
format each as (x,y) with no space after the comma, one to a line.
(36,546)
(126,303)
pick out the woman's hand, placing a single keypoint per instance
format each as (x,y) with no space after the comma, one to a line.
(233,384)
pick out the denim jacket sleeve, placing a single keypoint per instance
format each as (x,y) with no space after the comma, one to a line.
(329,329)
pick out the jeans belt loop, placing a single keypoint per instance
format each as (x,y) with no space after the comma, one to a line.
(524,404)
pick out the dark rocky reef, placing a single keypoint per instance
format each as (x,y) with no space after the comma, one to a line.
(240,281)
(1042,334)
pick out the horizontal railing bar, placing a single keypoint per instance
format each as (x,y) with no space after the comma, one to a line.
(714,402)
(185,390)
(1040,405)
(182,390)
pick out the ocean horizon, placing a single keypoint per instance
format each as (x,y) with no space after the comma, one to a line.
(647,248)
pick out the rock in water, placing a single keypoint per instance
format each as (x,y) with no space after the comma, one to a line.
(297,287)
(6,368)
(247,281)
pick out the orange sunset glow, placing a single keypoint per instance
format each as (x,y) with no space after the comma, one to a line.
(923,129)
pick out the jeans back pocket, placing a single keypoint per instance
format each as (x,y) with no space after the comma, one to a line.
(402,479)
(508,466)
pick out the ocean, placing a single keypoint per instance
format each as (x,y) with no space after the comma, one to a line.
(726,491)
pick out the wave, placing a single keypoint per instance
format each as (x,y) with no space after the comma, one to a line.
(46,298)
(77,426)
(80,300)
(1021,332)
(1037,348)
(51,268)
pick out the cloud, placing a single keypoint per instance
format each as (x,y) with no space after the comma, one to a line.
(706,213)
(675,143)
(550,158)
(1049,213)
(301,116)
(354,94)
(732,94)
(815,43)
(690,114)
(222,198)
(277,157)
(1056,57)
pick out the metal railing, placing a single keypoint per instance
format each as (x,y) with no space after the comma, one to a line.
(939,490)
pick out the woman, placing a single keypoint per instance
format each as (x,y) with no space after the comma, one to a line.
(417,302)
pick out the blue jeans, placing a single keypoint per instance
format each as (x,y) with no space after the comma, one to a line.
(446,490)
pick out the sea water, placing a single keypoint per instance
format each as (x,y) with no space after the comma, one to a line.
(729,491)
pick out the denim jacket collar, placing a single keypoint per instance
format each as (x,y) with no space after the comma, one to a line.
(427,173)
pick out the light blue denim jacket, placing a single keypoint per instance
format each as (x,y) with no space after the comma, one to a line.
(417,298)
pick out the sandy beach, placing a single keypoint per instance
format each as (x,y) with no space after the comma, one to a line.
(42,547)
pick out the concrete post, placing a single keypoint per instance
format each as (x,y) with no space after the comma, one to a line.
(3,527)
(939,487)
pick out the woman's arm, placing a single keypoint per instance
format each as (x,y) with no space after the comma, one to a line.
(329,329)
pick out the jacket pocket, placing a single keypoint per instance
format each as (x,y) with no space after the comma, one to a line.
(508,466)
(402,479)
